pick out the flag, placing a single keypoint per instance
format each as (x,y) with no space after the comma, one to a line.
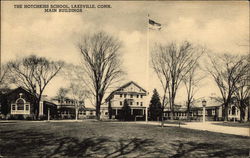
(154,25)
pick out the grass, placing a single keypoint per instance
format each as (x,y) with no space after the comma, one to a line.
(234,124)
(114,139)
(177,122)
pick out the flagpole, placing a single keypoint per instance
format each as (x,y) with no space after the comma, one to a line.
(147,69)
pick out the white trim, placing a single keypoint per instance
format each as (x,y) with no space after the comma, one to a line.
(41,108)
(22,112)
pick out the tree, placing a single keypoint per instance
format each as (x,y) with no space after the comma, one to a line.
(155,108)
(227,70)
(126,111)
(61,94)
(3,76)
(172,63)
(242,92)
(191,82)
(101,64)
(79,94)
(34,73)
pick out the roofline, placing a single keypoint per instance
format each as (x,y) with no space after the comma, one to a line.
(123,87)
(23,89)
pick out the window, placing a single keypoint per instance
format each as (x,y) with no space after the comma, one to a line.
(233,110)
(137,96)
(213,112)
(141,96)
(13,107)
(141,103)
(106,113)
(84,112)
(91,113)
(125,95)
(20,104)
(120,95)
(131,103)
(120,102)
(137,103)
(131,95)
(27,107)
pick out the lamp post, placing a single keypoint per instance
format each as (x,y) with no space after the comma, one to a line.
(48,114)
(204,102)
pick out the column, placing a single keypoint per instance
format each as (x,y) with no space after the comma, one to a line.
(41,108)
(204,114)
(246,114)
(48,114)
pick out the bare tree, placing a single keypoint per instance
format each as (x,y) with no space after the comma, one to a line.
(61,94)
(34,73)
(243,88)
(191,82)
(172,63)
(78,93)
(102,64)
(227,70)
(3,75)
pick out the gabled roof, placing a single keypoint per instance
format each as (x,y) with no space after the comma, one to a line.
(129,83)
(43,97)
(124,86)
(13,90)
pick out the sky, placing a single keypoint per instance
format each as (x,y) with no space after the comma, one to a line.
(218,26)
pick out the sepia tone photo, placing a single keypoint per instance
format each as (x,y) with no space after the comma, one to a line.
(124,79)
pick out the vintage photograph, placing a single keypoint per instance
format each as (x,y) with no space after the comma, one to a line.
(125,79)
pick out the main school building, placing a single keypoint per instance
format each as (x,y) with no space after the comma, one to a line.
(133,94)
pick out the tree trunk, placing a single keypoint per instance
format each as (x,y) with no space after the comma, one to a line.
(226,112)
(98,105)
(37,108)
(188,116)
(172,109)
(162,119)
(242,111)
(188,111)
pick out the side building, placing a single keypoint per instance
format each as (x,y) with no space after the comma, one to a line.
(135,96)
(67,110)
(19,104)
(214,111)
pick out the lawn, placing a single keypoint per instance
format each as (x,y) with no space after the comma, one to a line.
(114,139)
(234,124)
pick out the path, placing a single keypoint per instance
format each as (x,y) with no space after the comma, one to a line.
(209,126)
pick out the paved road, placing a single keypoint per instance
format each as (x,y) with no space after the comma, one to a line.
(209,126)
